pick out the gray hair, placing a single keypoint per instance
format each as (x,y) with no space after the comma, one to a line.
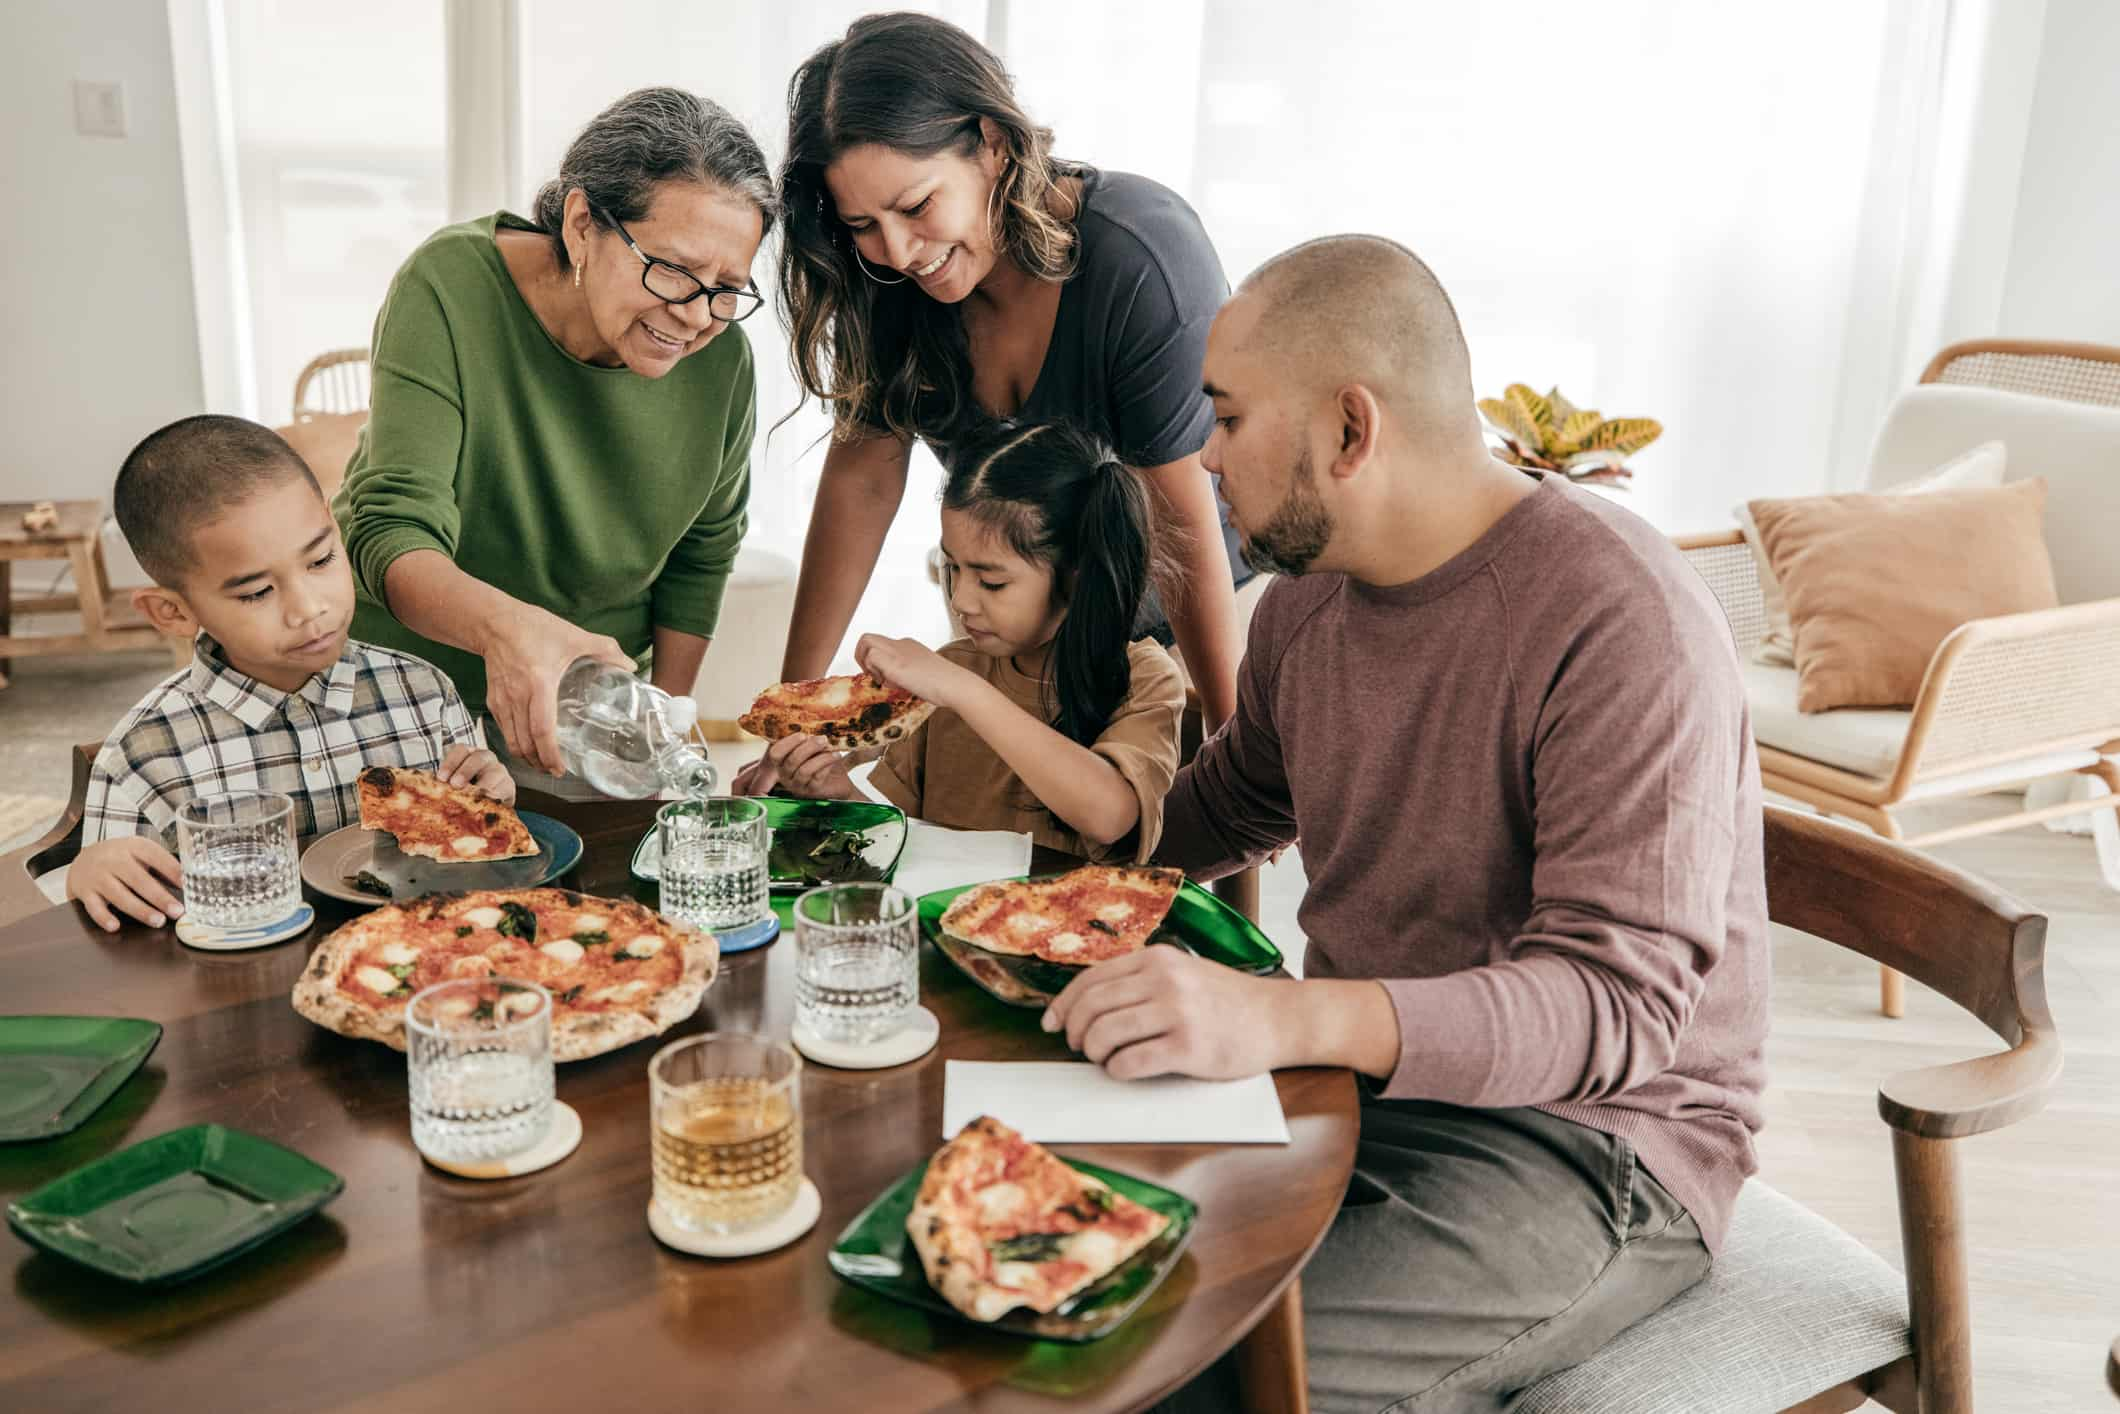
(650,136)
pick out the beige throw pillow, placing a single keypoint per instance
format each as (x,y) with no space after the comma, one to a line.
(1984,465)
(1874,582)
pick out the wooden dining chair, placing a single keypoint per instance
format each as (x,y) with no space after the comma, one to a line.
(55,848)
(1795,1314)
(334,382)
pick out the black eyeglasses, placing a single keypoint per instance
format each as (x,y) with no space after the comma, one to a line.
(673,284)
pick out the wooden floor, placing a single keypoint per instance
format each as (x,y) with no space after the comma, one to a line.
(2042,1197)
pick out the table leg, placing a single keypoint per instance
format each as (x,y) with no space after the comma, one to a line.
(88,587)
(7,612)
(1271,1369)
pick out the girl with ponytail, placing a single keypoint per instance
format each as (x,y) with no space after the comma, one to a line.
(1050,717)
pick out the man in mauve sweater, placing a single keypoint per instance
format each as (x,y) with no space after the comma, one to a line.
(1505,720)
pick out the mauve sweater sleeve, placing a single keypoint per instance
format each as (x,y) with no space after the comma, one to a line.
(1634,758)
(1231,807)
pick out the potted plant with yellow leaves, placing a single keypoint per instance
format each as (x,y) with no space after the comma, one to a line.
(1553,434)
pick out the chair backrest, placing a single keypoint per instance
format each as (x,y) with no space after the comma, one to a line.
(1939,925)
(2045,368)
(2074,445)
(333,382)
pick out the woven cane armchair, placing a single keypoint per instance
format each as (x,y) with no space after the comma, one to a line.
(2009,700)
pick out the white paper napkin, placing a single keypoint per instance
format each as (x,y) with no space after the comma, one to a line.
(1074,1102)
(938,858)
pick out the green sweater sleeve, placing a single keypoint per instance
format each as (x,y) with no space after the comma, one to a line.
(401,495)
(687,594)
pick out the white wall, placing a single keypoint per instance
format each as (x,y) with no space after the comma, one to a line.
(95,266)
(2064,266)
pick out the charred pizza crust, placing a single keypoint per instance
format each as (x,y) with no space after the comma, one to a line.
(1089,915)
(432,819)
(578,1031)
(990,1198)
(849,712)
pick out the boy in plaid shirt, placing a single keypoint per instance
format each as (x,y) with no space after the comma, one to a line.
(246,558)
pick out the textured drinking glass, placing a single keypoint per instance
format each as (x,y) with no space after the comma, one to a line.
(725,1129)
(479,1054)
(240,865)
(713,869)
(857,962)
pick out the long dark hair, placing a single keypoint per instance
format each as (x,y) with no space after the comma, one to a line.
(885,354)
(1057,496)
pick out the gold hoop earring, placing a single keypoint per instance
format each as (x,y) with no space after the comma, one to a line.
(872,274)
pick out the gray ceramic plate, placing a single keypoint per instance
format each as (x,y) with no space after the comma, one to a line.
(335,861)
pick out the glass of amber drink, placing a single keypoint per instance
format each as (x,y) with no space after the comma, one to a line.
(725,1122)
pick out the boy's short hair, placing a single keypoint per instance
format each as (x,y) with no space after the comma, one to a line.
(187,474)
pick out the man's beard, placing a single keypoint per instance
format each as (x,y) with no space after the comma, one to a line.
(1296,533)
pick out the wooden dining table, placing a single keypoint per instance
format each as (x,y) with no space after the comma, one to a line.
(419,1290)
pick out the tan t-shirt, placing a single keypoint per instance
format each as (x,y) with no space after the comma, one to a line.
(946,774)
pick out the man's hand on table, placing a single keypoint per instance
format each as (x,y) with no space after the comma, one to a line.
(1162,1011)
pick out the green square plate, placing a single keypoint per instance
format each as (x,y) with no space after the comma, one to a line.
(874,1253)
(56,1071)
(883,824)
(1198,922)
(173,1206)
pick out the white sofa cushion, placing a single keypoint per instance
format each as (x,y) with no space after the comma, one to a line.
(2075,446)
(1865,740)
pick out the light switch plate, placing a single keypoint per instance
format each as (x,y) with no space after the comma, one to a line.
(99,108)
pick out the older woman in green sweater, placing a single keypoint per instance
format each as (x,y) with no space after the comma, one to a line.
(557,459)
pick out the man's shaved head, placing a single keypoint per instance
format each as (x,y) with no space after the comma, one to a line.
(1364,309)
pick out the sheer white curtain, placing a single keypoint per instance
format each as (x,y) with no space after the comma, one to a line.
(1752,223)
(1699,213)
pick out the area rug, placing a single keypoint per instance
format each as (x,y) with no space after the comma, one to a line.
(25,817)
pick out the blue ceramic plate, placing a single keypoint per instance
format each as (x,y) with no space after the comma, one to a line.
(333,864)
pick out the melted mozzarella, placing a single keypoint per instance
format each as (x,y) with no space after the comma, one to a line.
(472,966)
(648,945)
(1016,1276)
(1028,922)
(468,844)
(589,923)
(1065,943)
(562,950)
(487,917)
(521,1003)
(1000,1201)
(1095,1250)
(397,954)
(1117,912)
(623,992)
(375,979)
(455,1006)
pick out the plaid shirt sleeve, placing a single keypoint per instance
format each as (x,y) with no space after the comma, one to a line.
(115,805)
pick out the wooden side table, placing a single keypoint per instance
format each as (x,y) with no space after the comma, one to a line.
(108,622)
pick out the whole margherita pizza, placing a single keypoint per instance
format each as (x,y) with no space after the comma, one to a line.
(618,972)
(1000,1222)
(848,712)
(436,820)
(1093,914)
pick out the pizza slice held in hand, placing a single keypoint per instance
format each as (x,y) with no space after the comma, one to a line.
(848,712)
(435,820)
(1001,1222)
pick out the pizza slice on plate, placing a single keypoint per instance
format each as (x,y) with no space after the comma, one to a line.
(618,972)
(848,712)
(1090,915)
(1001,1222)
(436,820)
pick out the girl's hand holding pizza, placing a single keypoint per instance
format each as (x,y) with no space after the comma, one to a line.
(912,666)
(807,766)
